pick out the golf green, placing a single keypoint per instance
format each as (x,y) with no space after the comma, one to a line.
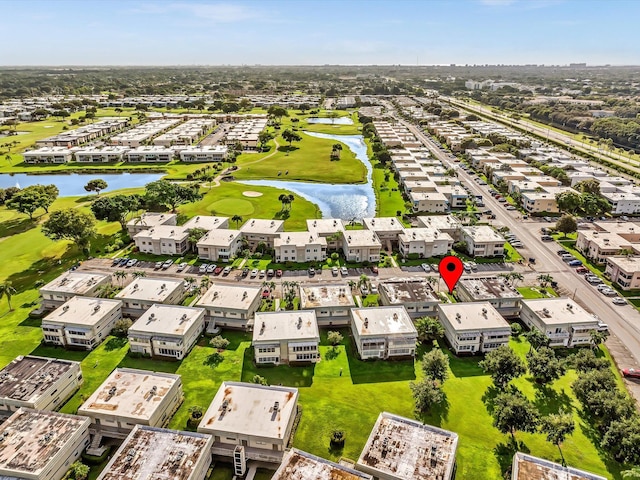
(231,206)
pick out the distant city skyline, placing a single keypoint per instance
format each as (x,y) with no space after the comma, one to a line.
(289,32)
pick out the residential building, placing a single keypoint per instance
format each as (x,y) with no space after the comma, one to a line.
(84,134)
(562,320)
(41,445)
(166,331)
(299,247)
(255,417)
(163,240)
(229,306)
(143,132)
(539,202)
(399,448)
(81,322)
(528,467)
(186,133)
(130,397)
(331,303)
(475,327)
(246,132)
(443,223)
(299,465)
(286,337)
(256,231)
(106,154)
(417,296)
(157,453)
(205,153)
(383,332)
(483,241)
(150,153)
(386,228)
(219,244)
(70,284)
(149,220)
(207,222)
(623,202)
(424,243)
(38,383)
(143,292)
(48,155)
(361,246)
(429,202)
(495,290)
(332,229)
(625,271)
(599,246)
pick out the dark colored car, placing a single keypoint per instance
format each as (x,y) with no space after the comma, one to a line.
(278,273)
(245,271)
(374,269)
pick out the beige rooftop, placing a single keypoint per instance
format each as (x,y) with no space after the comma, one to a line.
(26,378)
(552,311)
(299,465)
(85,311)
(409,291)
(229,296)
(130,393)
(285,325)
(485,288)
(249,409)
(167,320)
(334,295)
(472,316)
(255,225)
(527,467)
(150,289)
(382,321)
(75,282)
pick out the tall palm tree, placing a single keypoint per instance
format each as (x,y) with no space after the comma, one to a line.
(139,274)
(237,219)
(204,283)
(516,277)
(7,290)
(120,275)
(284,200)
(544,279)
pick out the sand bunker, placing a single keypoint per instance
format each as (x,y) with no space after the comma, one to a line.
(250,193)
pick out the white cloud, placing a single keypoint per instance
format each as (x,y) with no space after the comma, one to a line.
(497,3)
(212,12)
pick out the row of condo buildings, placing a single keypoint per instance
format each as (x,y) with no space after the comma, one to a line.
(243,423)
(158,234)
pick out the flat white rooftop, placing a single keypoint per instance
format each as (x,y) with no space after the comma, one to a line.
(361,238)
(130,393)
(439,222)
(207,222)
(472,316)
(285,325)
(626,264)
(158,454)
(407,450)
(483,233)
(163,232)
(167,320)
(219,237)
(559,311)
(249,409)
(83,311)
(75,282)
(299,465)
(382,321)
(238,297)
(332,295)
(325,226)
(383,224)
(150,289)
(256,225)
(26,378)
(150,219)
(31,438)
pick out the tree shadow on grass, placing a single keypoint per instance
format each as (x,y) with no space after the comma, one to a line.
(548,400)
(289,375)
(115,343)
(504,452)
(31,322)
(438,413)
(378,371)
(213,360)
(332,354)
(59,352)
(16,226)
(288,148)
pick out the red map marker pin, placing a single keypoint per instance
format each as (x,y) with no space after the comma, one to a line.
(450,269)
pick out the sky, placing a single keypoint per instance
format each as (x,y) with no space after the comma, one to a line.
(307,32)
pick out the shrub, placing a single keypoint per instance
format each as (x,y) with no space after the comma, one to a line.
(219,342)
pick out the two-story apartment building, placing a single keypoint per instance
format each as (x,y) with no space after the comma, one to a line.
(256,231)
(299,247)
(424,243)
(502,296)
(383,332)
(286,337)
(143,292)
(483,241)
(625,271)
(361,246)
(163,240)
(167,331)
(219,244)
(70,284)
(229,306)
(149,220)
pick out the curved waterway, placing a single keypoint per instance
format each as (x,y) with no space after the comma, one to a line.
(345,201)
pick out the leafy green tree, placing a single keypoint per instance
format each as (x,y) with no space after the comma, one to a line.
(170,194)
(557,427)
(334,338)
(435,365)
(567,224)
(606,406)
(593,381)
(537,338)
(96,185)
(116,208)
(79,471)
(622,440)
(286,200)
(569,201)
(588,186)
(291,136)
(632,473)
(195,234)
(544,366)
(277,112)
(426,393)
(7,290)
(219,342)
(71,224)
(598,337)
(238,219)
(586,360)
(429,329)
(514,413)
(503,365)
(121,328)
(29,199)
(259,380)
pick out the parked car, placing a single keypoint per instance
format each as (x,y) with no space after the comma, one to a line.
(270,273)
(631,372)
(262,273)
(167,263)
(211,268)
(116,261)
(575,263)
(466,266)
(364,290)
(582,270)
(474,266)
(278,273)
(203,268)
(619,301)
(226,271)
(132,262)
(511,207)
(334,271)
(374,289)
(546,238)
(158,265)
(123,261)
(312,271)
(374,269)
(609,292)
(603,287)
(426,267)
(245,271)
(344,271)
(254,273)
(593,280)
(561,252)
(266,293)
(182,266)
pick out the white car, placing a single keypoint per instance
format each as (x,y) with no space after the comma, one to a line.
(182,266)
(132,262)
(426,267)
(619,301)
(203,268)
(374,290)
(254,273)
(344,271)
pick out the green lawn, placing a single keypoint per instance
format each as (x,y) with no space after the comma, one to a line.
(536,292)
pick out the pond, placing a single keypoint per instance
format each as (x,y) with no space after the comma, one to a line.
(331,121)
(71,185)
(348,202)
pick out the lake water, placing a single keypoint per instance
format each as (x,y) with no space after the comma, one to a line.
(331,121)
(348,202)
(73,184)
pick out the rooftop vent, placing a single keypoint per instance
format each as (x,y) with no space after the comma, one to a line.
(366,322)
(152,316)
(569,306)
(96,308)
(65,308)
(276,406)
(299,324)
(484,312)
(183,318)
(153,390)
(458,317)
